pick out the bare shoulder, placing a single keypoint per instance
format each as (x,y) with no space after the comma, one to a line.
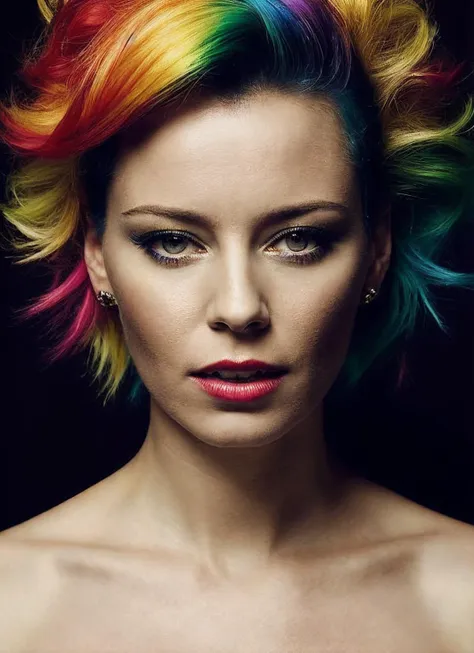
(29,575)
(28,564)
(445,579)
(441,554)
(26,584)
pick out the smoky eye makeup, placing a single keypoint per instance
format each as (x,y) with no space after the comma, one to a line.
(302,245)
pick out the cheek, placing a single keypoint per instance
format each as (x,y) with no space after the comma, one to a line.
(321,316)
(154,323)
(153,312)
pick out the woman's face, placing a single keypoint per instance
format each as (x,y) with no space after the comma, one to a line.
(233,269)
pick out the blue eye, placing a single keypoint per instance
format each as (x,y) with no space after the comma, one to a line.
(174,239)
(298,236)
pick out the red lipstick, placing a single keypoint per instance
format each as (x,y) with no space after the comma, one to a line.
(266,379)
(238,390)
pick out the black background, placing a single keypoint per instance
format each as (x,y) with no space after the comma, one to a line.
(57,439)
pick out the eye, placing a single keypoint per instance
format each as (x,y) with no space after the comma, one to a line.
(298,239)
(172,243)
(177,242)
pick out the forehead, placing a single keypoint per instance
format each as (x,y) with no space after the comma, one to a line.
(268,145)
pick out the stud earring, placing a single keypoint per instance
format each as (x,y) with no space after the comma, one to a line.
(369,296)
(106,299)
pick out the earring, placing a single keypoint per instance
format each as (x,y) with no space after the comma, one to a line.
(369,296)
(106,299)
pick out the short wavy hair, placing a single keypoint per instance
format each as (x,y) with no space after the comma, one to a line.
(100,65)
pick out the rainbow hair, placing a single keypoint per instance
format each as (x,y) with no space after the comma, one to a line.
(100,65)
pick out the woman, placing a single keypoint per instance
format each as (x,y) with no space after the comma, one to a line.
(215,182)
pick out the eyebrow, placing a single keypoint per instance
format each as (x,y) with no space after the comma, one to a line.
(277,215)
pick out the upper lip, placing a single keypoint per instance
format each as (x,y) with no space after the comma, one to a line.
(241,366)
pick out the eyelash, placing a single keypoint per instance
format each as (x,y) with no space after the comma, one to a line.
(143,241)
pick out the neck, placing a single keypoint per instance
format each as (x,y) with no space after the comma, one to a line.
(235,507)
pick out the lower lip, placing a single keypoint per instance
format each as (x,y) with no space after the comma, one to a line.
(238,391)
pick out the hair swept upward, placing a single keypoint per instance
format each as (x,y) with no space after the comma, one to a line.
(102,64)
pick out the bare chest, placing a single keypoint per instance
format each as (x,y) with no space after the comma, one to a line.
(96,612)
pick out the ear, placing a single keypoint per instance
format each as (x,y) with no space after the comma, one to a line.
(94,259)
(381,250)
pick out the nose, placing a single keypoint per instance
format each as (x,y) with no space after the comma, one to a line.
(237,303)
